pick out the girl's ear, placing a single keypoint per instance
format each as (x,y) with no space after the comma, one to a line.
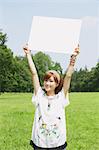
(57,84)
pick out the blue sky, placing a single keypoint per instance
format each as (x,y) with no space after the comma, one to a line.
(16,18)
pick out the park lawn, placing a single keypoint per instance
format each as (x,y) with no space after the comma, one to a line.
(83,121)
(17,114)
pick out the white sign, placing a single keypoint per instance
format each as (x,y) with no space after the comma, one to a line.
(54,34)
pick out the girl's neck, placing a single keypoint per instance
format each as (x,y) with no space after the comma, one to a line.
(50,93)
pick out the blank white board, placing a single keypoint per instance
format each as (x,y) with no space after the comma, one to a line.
(54,34)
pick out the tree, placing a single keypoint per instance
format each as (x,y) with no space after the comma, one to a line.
(44,63)
(79,80)
(3,39)
(93,80)
(56,66)
(21,80)
(15,75)
(6,57)
(14,71)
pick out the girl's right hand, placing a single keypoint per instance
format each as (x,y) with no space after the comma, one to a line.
(26,49)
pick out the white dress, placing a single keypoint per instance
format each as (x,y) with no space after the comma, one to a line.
(49,127)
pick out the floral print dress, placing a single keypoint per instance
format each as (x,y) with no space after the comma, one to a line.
(49,127)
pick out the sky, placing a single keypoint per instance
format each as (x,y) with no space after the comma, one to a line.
(16,19)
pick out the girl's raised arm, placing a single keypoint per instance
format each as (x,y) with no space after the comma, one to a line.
(35,78)
(70,70)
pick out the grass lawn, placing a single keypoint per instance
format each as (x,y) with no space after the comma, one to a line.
(17,113)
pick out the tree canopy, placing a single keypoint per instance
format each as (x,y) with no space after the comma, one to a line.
(16,77)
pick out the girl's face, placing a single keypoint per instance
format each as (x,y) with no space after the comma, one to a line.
(50,84)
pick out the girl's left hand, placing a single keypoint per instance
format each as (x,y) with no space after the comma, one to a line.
(74,55)
(76,51)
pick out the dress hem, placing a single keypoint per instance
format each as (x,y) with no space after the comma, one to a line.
(43,148)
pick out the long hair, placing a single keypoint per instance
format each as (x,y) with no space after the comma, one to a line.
(60,83)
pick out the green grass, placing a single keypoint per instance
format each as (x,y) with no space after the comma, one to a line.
(83,121)
(16,118)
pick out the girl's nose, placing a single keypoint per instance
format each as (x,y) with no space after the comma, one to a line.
(47,82)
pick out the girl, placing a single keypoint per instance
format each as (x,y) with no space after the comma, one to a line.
(49,128)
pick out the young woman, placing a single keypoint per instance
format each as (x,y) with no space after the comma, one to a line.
(49,128)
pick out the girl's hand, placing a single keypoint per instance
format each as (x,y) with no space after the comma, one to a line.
(74,55)
(76,51)
(26,49)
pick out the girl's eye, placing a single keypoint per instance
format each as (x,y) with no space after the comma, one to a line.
(51,80)
(46,80)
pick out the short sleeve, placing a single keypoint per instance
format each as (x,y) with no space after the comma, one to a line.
(64,100)
(37,97)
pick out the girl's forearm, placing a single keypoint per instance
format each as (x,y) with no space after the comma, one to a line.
(70,71)
(31,64)
(35,78)
(67,78)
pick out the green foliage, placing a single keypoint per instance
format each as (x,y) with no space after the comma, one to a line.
(3,39)
(56,66)
(16,77)
(21,80)
(95,77)
(84,80)
(6,58)
(14,71)
(44,63)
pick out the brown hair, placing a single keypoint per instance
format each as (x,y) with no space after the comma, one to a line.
(60,83)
